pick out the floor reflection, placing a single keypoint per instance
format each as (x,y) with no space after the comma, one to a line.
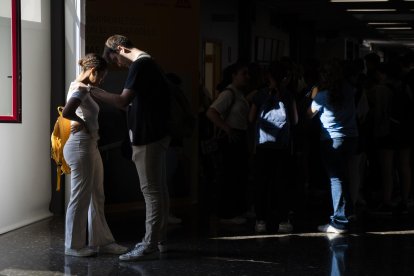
(338,245)
(39,250)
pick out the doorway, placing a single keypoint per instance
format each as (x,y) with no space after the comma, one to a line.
(212,67)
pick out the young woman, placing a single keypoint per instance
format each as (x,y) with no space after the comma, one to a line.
(334,103)
(273,111)
(86,206)
(229,113)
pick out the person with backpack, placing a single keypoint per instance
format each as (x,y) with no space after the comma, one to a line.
(147,99)
(274,113)
(85,212)
(334,103)
(229,114)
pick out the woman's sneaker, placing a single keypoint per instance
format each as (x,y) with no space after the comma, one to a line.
(260,226)
(285,227)
(83,252)
(140,252)
(327,228)
(112,248)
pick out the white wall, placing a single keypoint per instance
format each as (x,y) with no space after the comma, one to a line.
(224,32)
(25,148)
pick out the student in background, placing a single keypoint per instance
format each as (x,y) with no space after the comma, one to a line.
(334,101)
(229,113)
(274,113)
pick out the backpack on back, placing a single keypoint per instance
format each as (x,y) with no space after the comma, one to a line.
(273,125)
(60,135)
(181,123)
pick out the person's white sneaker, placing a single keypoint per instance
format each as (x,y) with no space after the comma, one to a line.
(83,252)
(112,248)
(327,228)
(260,226)
(140,252)
(285,227)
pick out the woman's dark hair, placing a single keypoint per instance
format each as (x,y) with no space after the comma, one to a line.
(93,60)
(332,79)
(227,76)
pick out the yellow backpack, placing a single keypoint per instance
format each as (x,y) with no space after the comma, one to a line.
(60,135)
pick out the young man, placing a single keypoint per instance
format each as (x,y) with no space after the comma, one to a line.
(145,95)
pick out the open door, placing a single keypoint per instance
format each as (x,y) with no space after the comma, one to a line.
(212,67)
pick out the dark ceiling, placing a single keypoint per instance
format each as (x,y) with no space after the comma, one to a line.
(382,22)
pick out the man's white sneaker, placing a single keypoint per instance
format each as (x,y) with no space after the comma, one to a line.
(140,252)
(260,226)
(327,228)
(112,248)
(83,252)
(285,227)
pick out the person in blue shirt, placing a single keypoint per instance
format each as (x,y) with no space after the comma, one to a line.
(333,101)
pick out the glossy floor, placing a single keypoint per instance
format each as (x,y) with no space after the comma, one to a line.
(379,247)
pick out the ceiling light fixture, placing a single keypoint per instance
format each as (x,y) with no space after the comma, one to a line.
(371,10)
(394,28)
(357,1)
(387,23)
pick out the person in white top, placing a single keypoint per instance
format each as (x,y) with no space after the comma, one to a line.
(85,210)
(229,113)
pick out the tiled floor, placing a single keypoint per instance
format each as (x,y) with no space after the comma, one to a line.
(385,247)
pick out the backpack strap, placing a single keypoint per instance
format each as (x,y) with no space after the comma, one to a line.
(217,132)
(233,100)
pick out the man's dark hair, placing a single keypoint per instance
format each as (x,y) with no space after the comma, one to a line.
(112,43)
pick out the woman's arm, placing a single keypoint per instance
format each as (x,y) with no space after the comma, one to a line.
(312,111)
(69,112)
(253,113)
(295,115)
(215,117)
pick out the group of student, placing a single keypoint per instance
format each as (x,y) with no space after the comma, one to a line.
(266,116)
(361,112)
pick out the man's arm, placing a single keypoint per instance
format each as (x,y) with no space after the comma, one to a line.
(118,100)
